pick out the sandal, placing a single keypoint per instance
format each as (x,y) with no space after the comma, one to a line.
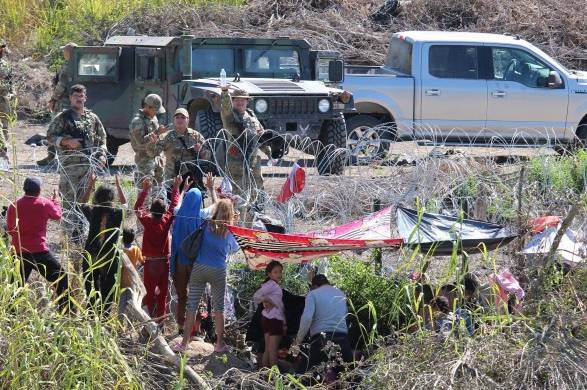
(178,348)
(223,349)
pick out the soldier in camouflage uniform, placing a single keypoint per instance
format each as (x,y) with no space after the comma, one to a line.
(80,141)
(6,100)
(143,128)
(179,144)
(242,125)
(59,98)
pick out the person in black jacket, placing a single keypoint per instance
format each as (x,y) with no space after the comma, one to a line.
(101,262)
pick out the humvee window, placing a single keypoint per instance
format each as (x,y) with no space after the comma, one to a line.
(272,61)
(97,64)
(212,60)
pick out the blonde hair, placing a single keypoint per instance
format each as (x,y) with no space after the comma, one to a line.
(223,214)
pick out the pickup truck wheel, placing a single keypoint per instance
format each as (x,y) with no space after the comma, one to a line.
(582,135)
(207,122)
(365,140)
(112,145)
(329,160)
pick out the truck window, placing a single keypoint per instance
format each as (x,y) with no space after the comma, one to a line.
(400,56)
(97,64)
(453,62)
(273,62)
(519,66)
(209,60)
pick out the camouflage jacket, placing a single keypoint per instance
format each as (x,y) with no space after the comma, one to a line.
(5,78)
(62,79)
(234,122)
(86,127)
(141,127)
(175,150)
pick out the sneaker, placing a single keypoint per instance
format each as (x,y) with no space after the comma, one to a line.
(46,161)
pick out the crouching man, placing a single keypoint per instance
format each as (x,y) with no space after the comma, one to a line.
(324,317)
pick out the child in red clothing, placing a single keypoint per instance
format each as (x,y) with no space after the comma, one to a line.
(155,248)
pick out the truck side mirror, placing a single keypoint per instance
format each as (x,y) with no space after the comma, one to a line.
(336,71)
(554,80)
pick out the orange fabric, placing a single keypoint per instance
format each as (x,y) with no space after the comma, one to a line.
(135,255)
(537,225)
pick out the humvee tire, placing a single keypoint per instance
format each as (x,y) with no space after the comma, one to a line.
(207,122)
(112,145)
(332,136)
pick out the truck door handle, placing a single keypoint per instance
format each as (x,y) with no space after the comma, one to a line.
(498,94)
(432,92)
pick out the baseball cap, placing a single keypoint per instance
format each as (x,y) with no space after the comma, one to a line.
(155,101)
(32,184)
(182,111)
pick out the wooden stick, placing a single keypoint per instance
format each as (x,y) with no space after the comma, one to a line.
(137,315)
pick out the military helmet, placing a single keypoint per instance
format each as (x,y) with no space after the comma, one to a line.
(240,93)
(156,102)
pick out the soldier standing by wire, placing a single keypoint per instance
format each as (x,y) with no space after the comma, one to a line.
(143,127)
(242,125)
(78,136)
(180,144)
(59,97)
(6,100)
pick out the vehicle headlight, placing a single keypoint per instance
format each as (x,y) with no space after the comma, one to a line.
(261,106)
(323,105)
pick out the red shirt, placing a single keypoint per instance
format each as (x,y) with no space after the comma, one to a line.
(156,234)
(26,221)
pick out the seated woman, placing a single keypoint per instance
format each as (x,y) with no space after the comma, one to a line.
(101,262)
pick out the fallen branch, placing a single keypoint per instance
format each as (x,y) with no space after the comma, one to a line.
(135,313)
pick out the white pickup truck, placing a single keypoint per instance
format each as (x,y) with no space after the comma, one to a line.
(464,87)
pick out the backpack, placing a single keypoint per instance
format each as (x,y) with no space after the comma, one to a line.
(190,246)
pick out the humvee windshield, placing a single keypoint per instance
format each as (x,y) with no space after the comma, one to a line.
(96,64)
(271,62)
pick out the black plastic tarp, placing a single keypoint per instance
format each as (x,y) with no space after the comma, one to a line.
(437,234)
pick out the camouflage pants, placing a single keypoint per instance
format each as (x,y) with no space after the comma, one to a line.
(246,178)
(148,167)
(73,182)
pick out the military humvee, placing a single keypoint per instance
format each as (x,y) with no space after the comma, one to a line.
(292,87)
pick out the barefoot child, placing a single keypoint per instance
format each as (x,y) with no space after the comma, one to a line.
(272,316)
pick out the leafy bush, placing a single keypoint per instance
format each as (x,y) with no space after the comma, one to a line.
(379,303)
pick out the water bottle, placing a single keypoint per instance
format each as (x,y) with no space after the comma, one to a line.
(223,83)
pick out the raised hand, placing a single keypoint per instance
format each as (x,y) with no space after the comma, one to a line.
(177,181)
(147,184)
(209,181)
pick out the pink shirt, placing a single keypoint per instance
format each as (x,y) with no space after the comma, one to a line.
(26,222)
(272,292)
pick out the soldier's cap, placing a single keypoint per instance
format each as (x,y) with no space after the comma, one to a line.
(70,45)
(182,111)
(155,101)
(240,93)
